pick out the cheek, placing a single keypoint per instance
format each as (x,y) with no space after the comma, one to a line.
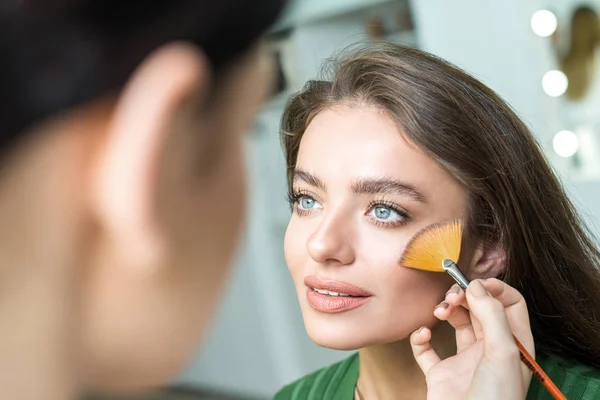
(405,297)
(414,286)
(407,288)
(411,295)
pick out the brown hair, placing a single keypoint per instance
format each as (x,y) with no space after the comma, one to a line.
(579,62)
(516,200)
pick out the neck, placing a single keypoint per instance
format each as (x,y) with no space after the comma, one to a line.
(389,371)
(36,345)
(38,295)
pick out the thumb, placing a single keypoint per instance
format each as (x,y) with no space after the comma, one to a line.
(499,343)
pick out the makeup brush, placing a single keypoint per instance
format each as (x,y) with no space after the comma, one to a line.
(437,248)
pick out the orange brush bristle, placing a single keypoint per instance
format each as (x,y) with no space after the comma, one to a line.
(429,247)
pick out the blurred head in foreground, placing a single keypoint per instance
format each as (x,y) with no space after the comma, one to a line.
(121,185)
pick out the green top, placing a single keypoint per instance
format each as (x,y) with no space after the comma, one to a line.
(337,382)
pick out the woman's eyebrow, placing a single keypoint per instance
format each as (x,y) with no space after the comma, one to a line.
(308,178)
(366,185)
(387,186)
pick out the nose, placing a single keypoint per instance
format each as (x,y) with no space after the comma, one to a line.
(330,243)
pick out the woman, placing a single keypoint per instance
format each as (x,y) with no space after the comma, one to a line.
(398,140)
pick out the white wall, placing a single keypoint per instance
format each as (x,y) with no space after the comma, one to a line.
(586,196)
(493,40)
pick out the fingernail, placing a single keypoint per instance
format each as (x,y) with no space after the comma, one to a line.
(477,289)
(443,305)
(421,329)
(454,289)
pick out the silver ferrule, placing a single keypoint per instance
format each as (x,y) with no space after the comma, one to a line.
(452,269)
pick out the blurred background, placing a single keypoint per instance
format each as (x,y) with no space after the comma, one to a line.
(541,56)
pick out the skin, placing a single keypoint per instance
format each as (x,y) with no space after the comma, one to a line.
(487,364)
(338,233)
(112,253)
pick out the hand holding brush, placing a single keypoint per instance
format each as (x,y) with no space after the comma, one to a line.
(487,363)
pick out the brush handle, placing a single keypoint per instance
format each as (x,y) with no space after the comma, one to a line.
(452,269)
(538,372)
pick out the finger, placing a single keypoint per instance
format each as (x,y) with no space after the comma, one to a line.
(458,317)
(424,354)
(499,343)
(504,293)
(500,350)
(456,296)
(517,315)
(454,289)
(515,309)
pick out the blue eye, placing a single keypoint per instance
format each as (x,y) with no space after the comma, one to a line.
(307,203)
(387,216)
(302,203)
(385,213)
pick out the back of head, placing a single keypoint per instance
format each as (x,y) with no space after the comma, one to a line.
(517,203)
(57,54)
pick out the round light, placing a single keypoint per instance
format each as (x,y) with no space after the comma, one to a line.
(565,143)
(555,83)
(543,23)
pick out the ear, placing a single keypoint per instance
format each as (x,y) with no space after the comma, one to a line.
(488,262)
(126,173)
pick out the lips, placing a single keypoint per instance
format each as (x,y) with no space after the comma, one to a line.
(333,286)
(329,296)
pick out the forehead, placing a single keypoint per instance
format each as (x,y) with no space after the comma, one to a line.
(346,143)
(362,141)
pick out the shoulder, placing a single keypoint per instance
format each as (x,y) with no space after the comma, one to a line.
(576,381)
(326,383)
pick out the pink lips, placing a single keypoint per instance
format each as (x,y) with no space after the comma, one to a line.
(331,304)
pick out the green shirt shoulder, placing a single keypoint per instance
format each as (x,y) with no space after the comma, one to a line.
(576,381)
(337,382)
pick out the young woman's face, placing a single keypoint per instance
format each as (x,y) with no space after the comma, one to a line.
(360,192)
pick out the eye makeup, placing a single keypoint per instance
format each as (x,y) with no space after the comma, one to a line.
(403,216)
(381,212)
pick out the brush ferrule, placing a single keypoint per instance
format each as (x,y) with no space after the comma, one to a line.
(452,269)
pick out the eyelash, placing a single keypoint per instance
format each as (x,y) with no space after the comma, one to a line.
(294,196)
(386,204)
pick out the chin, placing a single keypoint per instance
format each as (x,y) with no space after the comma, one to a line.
(338,343)
(340,336)
(352,334)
